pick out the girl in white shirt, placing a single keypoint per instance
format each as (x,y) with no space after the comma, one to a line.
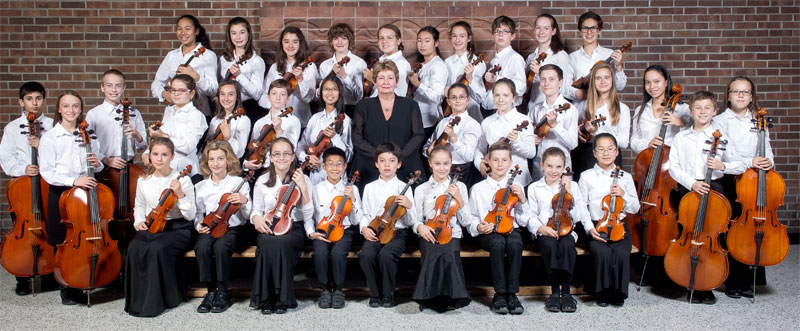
(431,79)
(293,52)
(235,129)
(652,113)
(240,62)
(548,35)
(460,63)
(391,44)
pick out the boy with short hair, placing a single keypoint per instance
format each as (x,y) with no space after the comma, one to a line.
(504,30)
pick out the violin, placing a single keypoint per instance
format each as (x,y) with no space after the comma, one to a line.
(585,134)
(543,128)
(368,84)
(383,225)
(463,79)
(320,145)
(696,260)
(518,128)
(88,258)
(493,70)
(157,218)
(411,88)
(217,135)
(194,55)
(279,218)
(24,251)
(157,125)
(757,237)
(242,60)
(527,96)
(345,60)
(289,76)
(610,227)
(504,202)
(332,226)
(217,220)
(257,148)
(443,138)
(446,207)
(561,203)
(583,82)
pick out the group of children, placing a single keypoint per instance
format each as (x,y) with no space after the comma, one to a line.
(483,149)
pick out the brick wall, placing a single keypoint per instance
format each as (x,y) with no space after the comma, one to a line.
(68,44)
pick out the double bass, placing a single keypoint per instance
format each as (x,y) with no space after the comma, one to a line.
(332,226)
(88,258)
(24,251)
(561,203)
(463,79)
(320,145)
(383,225)
(757,237)
(157,218)
(583,82)
(257,148)
(217,220)
(610,226)
(531,75)
(290,77)
(696,260)
(504,202)
(446,208)
(542,128)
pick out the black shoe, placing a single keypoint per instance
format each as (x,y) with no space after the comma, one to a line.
(324,299)
(748,293)
(514,306)
(706,297)
(499,304)
(205,306)
(553,303)
(68,297)
(733,292)
(569,304)
(601,299)
(388,301)
(374,302)
(617,300)
(267,308)
(221,303)
(22,289)
(280,308)
(337,302)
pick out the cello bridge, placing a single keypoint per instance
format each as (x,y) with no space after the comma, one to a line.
(698,243)
(760,219)
(93,238)
(648,204)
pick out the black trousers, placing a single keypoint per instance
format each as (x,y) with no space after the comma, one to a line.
(505,259)
(557,254)
(330,259)
(216,253)
(56,231)
(379,262)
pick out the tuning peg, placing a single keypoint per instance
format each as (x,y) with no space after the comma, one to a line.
(769,125)
(720,148)
(708,141)
(723,141)
(705,150)
(22,126)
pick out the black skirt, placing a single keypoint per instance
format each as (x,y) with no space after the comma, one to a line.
(152,282)
(557,254)
(441,273)
(276,257)
(612,264)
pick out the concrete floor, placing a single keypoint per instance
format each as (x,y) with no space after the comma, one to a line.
(777,308)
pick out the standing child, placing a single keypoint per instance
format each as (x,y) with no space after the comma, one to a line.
(391,44)
(460,63)
(241,62)
(293,52)
(235,129)
(287,127)
(342,41)
(504,30)
(590,27)
(563,132)
(548,34)
(431,78)
(648,117)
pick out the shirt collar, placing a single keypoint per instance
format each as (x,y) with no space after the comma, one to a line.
(392,57)
(61,131)
(729,114)
(504,52)
(602,171)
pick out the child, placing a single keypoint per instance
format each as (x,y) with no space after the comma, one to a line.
(558,253)
(250,73)
(686,165)
(611,259)
(276,256)
(379,261)
(236,131)
(648,118)
(512,64)
(220,166)
(391,44)
(501,125)
(294,51)
(320,123)
(183,124)
(563,125)
(431,78)
(590,26)
(17,148)
(342,41)
(505,270)
(152,283)
(202,69)
(287,127)
(460,63)
(327,252)
(548,35)
(441,284)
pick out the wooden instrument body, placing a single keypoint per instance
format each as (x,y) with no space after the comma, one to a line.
(218,220)
(561,221)
(656,211)
(332,226)
(194,55)
(157,218)
(411,88)
(384,225)
(493,70)
(444,137)
(113,178)
(529,82)
(584,133)
(543,127)
(29,231)
(610,226)
(257,148)
(583,82)
(368,84)
(446,209)
(500,216)
(279,218)
(321,144)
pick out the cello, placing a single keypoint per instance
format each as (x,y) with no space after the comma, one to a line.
(696,260)
(493,70)
(383,225)
(279,218)
(320,145)
(332,226)
(504,202)
(583,82)
(757,237)
(24,251)
(561,203)
(257,148)
(463,79)
(543,128)
(289,76)
(445,208)
(217,220)
(610,226)
(88,258)
(527,96)
(157,218)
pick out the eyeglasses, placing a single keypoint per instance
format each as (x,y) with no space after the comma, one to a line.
(502,31)
(458,97)
(741,93)
(590,29)
(283,155)
(326,89)
(334,165)
(178,91)
(604,151)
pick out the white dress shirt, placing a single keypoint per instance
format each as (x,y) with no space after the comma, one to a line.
(430,93)
(621,131)
(185,126)
(540,197)
(62,157)
(481,202)
(354,83)
(375,195)
(316,124)
(323,193)
(251,78)
(646,126)
(205,65)
(403,68)
(561,59)
(266,197)
(468,131)
(15,151)
(745,146)
(291,130)
(303,94)
(208,195)
(687,158)
(565,134)
(595,184)
(425,202)
(512,67)
(582,63)
(103,120)
(497,126)
(148,194)
(476,89)
(240,133)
